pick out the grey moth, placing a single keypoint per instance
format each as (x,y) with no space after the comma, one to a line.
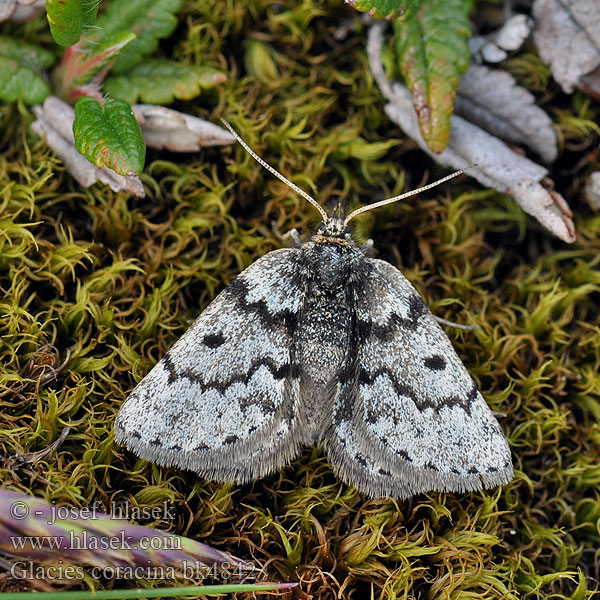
(319,343)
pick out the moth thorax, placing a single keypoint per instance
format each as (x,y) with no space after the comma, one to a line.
(333,266)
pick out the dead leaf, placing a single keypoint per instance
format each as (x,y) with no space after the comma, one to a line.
(592,189)
(176,131)
(497,165)
(590,84)
(567,34)
(55,123)
(493,100)
(495,46)
(20,10)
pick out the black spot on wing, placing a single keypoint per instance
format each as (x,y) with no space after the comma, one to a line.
(213,340)
(435,362)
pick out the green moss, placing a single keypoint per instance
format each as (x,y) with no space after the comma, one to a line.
(111,282)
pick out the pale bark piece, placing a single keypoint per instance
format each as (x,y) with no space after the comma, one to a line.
(496,165)
(55,124)
(592,189)
(493,100)
(567,34)
(166,128)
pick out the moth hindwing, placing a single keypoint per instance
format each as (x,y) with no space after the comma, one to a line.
(319,343)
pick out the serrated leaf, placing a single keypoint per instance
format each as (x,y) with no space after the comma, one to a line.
(67,19)
(160,81)
(150,20)
(432,52)
(388,9)
(55,124)
(17,81)
(111,137)
(27,54)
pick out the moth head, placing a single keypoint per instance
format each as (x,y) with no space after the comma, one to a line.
(336,225)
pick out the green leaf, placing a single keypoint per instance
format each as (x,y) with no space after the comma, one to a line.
(88,364)
(432,52)
(19,66)
(17,81)
(388,9)
(150,20)
(259,62)
(159,81)
(111,137)
(67,19)
(105,52)
(28,55)
(363,150)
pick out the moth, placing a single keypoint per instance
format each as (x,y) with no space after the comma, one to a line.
(319,343)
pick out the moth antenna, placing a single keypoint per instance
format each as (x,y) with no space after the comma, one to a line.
(368,207)
(275,172)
